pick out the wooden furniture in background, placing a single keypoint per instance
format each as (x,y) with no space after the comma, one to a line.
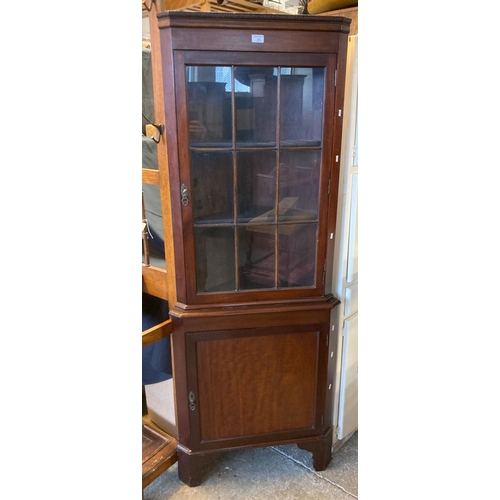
(238,6)
(319,6)
(159,452)
(159,447)
(350,12)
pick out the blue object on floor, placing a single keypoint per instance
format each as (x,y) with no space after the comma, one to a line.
(156,357)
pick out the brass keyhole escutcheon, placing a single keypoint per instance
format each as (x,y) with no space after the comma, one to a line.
(184,195)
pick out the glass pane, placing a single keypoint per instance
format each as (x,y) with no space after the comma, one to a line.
(255,107)
(297,254)
(212,183)
(256,186)
(301,105)
(148,108)
(299,185)
(215,265)
(256,263)
(149,153)
(209,105)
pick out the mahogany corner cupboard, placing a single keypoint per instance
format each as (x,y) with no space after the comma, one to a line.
(253,111)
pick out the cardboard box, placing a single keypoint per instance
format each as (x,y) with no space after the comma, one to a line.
(161,406)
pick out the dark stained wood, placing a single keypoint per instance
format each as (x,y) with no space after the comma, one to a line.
(336,158)
(183,215)
(253,367)
(283,41)
(321,448)
(262,336)
(331,355)
(191,465)
(257,315)
(256,384)
(255,59)
(220,21)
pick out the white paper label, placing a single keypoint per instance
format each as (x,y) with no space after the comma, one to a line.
(257,38)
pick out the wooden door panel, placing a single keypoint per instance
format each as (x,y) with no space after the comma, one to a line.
(256,384)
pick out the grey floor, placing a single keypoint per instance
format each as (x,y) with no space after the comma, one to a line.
(283,472)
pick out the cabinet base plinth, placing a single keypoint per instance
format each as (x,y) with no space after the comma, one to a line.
(191,465)
(321,449)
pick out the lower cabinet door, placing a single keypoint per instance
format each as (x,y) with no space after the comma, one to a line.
(252,386)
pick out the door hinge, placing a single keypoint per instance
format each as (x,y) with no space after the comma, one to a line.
(329,187)
(335,83)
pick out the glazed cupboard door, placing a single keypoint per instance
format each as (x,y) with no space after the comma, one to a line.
(253,173)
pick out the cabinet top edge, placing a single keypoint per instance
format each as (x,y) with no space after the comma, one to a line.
(183,18)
